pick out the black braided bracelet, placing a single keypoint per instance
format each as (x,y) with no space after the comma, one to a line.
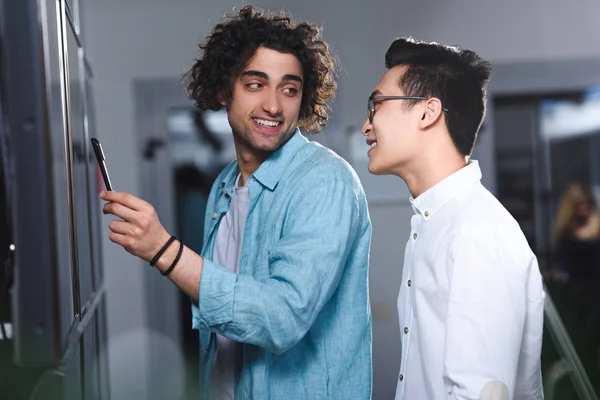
(161,251)
(168,271)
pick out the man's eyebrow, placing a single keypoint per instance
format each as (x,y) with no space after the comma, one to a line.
(252,73)
(292,77)
(376,93)
(260,74)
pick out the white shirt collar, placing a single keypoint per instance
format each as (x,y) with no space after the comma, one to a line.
(435,198)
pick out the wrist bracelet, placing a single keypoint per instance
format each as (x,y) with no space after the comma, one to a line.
(168,271)
(161,251)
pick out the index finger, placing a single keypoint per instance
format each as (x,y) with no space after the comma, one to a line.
(126,199)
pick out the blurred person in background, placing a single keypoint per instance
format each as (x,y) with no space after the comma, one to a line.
(576,239)
(280,289)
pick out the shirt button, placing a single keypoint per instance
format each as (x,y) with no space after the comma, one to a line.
(427,213)
(401,377)
(214,215)
(405,330)
(414,236)
(409,282)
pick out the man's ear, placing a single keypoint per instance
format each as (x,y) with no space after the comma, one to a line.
(221,99)
(431,112)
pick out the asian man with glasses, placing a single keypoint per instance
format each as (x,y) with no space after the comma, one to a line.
(471,302)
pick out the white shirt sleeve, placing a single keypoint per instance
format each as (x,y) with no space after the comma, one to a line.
(488,303)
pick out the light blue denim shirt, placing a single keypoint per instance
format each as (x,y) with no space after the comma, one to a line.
(300,304)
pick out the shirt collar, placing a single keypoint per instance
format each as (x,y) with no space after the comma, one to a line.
(270,171)
(435,198)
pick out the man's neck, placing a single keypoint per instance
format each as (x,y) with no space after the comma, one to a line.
(248,162)
(429,170)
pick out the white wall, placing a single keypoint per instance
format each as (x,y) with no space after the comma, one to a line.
(517,30)
(134,39)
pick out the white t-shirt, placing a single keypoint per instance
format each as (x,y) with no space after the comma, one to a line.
(227,251)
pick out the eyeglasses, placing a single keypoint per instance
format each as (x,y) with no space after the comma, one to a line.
(371,105)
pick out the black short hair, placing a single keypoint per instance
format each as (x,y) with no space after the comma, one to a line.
(235,40)
(457,77)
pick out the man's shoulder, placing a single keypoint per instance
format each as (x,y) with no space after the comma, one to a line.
(485,221)
(317,163)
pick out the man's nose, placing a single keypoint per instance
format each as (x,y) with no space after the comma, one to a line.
(366,128)
(272,103)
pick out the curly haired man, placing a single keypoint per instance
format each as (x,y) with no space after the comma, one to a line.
(280,289)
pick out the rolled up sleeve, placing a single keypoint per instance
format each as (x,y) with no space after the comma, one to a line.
(217,287)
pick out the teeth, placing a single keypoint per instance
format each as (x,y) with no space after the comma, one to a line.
(373,144)
(264,122)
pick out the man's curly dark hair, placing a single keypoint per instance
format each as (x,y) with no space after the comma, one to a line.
(234,41)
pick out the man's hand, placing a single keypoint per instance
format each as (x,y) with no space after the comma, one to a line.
(140,231)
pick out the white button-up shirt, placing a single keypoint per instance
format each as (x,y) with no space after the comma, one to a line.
(471,298)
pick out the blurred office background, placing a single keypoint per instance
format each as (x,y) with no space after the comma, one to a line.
(81,318)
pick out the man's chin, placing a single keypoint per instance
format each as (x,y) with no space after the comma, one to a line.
(373,169)
(267,147)
(272,143)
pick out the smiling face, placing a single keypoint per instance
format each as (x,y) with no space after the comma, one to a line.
(266,98)
(394,133)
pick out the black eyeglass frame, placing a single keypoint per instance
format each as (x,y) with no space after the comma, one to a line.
(372,98)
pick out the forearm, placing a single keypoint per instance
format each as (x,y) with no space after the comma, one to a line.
(187,272)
